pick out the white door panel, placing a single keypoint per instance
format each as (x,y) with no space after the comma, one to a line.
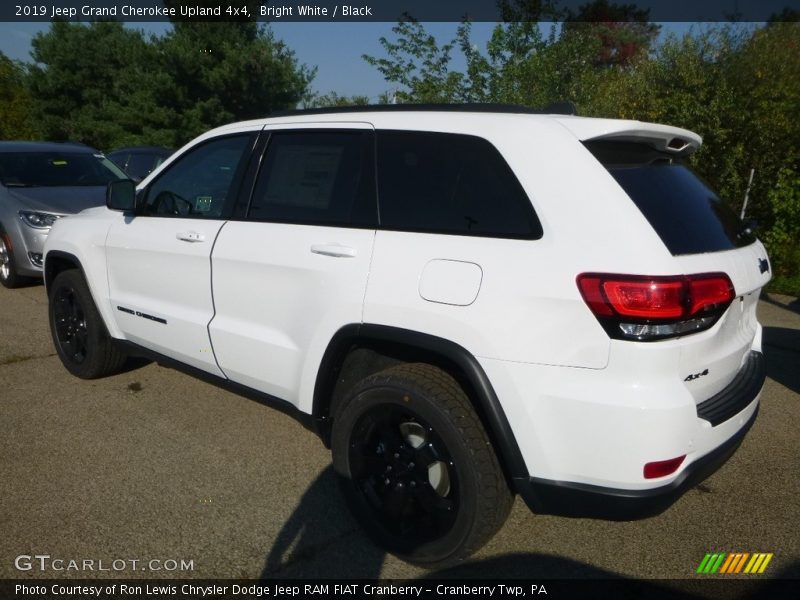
(160,285)
(280,300)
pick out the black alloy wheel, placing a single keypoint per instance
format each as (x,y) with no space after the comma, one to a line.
(405,472)
(417,467)
(70,325)
(79,334)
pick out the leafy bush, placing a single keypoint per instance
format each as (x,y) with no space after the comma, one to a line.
(783,237)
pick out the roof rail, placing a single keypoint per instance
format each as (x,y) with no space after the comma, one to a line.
(557,108)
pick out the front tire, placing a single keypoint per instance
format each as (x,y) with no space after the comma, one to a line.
(79,334)
(417,467)
(9,278)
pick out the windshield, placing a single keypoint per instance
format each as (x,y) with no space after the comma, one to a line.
(50,169)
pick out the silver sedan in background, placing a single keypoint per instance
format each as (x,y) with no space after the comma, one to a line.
(39,183)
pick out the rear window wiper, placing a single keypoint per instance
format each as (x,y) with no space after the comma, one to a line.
(748,228)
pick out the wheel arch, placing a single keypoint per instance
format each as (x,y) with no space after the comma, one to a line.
(388,345)
(57,261)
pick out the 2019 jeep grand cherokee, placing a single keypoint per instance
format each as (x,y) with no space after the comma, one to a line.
(462,302)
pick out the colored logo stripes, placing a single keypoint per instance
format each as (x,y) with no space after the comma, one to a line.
(734,562)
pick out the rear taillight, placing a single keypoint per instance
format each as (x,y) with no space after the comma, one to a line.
(634,307)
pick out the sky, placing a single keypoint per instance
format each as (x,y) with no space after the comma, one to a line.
(335,48)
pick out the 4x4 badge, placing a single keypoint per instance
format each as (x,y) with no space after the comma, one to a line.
(696,376)
(763,265)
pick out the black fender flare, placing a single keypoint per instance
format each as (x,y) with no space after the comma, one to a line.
(489,406)
(59,254)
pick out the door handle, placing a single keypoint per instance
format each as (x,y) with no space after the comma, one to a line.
(190,236)
(335,250)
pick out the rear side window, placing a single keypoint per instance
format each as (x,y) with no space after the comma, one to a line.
(317,178)
(451,184)
(682,209)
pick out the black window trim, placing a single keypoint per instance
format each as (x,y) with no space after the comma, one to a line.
(236,182)
(257,163)
(241,209)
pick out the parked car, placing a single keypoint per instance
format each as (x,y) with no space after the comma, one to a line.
(39,183)
(139,161)
(464,303)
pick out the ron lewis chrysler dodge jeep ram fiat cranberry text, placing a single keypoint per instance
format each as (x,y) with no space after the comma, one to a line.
(463,303)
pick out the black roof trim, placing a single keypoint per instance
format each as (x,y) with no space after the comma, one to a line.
(558,108)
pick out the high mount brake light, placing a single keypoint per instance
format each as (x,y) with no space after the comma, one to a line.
(643,308)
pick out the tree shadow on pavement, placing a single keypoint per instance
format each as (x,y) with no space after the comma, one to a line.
(782,350)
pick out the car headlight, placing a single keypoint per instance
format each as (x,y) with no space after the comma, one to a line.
(37,219)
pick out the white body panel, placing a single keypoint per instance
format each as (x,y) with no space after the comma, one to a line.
(278,304)
(583,408)
(161,268)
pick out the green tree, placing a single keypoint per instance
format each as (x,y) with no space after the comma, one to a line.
(110,86)
(622,32)
(417,62)
(226,71)
(783,237)
(314,100)
(15,101)
(94,84)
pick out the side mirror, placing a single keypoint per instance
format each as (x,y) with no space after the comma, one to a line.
(121,195)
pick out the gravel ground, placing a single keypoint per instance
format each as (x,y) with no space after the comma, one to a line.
(152,464)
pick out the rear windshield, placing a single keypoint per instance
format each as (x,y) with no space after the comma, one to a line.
(50,169)
(683,210)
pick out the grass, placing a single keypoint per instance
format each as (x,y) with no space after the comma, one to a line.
(783,284)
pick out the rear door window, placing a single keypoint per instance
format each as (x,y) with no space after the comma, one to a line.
(317,178)
(452,184)
(682,209)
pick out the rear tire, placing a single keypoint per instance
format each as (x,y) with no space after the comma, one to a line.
(416,465)
(79,334)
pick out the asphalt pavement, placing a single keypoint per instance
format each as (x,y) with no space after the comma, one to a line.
(152,465)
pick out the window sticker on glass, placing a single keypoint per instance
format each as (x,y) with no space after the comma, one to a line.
(304,176)
(202,203)
(58,163)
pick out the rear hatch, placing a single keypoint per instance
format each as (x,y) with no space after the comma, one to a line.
(703,235)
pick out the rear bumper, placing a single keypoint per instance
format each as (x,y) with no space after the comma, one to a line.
(738,394)
(572,499)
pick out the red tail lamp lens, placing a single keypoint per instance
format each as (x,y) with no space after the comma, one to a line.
(648,308)
(646,299)
(709,292)
(655,298)
(662,468)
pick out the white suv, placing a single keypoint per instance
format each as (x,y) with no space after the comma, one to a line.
(462,302)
